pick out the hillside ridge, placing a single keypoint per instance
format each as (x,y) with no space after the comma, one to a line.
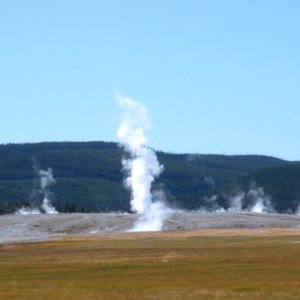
(89,176)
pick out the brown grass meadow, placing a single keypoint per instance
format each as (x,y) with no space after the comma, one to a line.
(200,264)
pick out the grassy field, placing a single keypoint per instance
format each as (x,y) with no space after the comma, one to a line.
(202,264)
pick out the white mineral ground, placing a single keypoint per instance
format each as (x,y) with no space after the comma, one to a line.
(29,228)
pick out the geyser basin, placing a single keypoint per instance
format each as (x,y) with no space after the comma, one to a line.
(17,228)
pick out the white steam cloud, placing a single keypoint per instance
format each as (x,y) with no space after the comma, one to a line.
(142,165)
(260,200)
(28,211)
(46,179)
(254,200)
(236,201)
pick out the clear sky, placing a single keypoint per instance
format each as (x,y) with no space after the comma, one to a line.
(217,76)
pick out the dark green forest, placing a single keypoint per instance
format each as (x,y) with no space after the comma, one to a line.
(89,177)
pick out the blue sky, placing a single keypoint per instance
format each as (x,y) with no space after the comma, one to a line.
(217,76)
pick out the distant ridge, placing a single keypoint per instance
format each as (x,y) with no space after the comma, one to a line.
(89,176)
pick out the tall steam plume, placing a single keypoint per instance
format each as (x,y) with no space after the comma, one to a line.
(47,179)
(142,165)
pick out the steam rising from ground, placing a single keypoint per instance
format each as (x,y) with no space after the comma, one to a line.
(46,179)
(141,165)
(28,211)
(254,200)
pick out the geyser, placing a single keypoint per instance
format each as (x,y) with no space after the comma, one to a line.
(46,180)
(141,165)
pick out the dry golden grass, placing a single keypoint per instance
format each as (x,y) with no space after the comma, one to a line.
(200,264)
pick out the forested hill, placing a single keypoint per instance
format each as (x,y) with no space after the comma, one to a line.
(89,175)
(283,183)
